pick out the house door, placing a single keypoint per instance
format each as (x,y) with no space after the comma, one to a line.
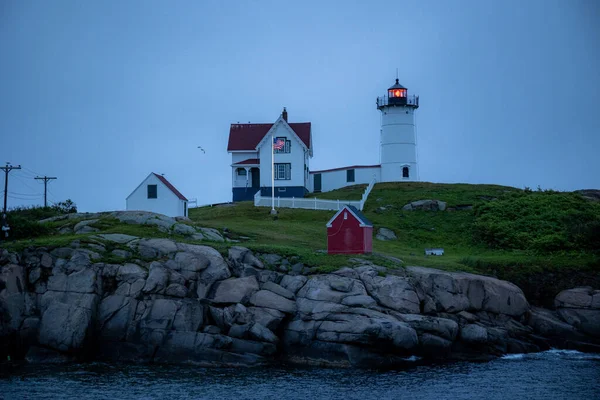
(317,183)
(255,177)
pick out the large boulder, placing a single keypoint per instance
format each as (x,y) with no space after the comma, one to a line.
(154,248)
(65,327)
(453,292)
(385,234)
(425,205)
(580,308)
(85,226)
(13,306)
(394,292)
(234,290)
(268,299)
(331,288)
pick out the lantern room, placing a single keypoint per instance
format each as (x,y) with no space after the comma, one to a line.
(397,94)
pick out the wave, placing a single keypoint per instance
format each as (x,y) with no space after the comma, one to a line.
(554,353)
(412,358)
(518,356)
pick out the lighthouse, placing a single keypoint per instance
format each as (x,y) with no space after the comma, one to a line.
(398,140)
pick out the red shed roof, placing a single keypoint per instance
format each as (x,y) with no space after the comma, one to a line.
(171,187)
(356,213)
(247,136)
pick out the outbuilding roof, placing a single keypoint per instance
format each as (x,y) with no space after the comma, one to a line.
(245,137)
(364,221)
(171,187)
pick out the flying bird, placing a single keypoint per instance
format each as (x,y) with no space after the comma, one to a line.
(202,149)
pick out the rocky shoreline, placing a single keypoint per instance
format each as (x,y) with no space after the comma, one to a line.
(185,303)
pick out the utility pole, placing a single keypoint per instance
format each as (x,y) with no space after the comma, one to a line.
(45,179)
(6,170)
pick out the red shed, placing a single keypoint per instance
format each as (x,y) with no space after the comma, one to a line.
(349,232)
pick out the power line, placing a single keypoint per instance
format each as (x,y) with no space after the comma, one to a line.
(25,194)
(23,198)
(46,179)
(31,171)
(21,179)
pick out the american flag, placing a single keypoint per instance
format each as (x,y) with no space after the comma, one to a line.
(278,143)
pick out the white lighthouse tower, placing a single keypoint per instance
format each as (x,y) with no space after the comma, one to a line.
(398,154)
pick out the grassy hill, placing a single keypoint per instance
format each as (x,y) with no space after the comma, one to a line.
(544,241)
(541,240)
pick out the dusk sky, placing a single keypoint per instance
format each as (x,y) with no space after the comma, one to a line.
(100,94)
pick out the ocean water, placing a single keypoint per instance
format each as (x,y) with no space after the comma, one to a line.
(555,374)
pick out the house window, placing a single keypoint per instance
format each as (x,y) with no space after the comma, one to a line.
(152,192)
(241,171)
(283,171)
(287,147)
(185,209)
(405,172)
(350,175)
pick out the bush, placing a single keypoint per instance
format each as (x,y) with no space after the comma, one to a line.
(540,221)
(23,221)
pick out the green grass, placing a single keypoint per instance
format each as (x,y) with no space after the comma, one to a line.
(542,241)
(301,233)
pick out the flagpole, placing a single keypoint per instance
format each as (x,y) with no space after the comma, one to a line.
(272,173)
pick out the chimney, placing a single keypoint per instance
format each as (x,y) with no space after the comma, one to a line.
(284,114)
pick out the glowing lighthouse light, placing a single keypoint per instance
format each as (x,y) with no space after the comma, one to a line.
(397,93)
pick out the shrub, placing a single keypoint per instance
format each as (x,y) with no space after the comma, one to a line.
(538,220)
(23,221)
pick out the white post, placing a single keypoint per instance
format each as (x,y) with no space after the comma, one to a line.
(315,203)
(293,202)
(272,173)
(278,201)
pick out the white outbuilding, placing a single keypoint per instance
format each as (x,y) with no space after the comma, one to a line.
(157,194)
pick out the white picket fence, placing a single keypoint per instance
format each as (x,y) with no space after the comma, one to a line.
(314,203)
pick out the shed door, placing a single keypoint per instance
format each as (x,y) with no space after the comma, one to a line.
(317,183)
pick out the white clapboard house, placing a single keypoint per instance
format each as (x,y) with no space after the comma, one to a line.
(157,194)
(250,146)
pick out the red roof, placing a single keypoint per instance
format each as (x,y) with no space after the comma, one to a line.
(171,187)
(251,161)
(343,168)
(247,136)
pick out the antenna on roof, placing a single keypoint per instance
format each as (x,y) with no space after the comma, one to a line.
(396,73)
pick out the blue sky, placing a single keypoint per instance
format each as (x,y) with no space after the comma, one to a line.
(99,94)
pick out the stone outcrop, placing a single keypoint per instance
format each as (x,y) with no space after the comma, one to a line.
(160,221)
(425,205)
(385,234)
(186,303)
(580,308)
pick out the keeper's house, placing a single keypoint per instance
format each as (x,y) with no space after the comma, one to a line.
(250,148)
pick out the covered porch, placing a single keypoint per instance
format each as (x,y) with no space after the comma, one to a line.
(245,179)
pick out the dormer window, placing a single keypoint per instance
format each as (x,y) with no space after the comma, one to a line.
(282,145)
